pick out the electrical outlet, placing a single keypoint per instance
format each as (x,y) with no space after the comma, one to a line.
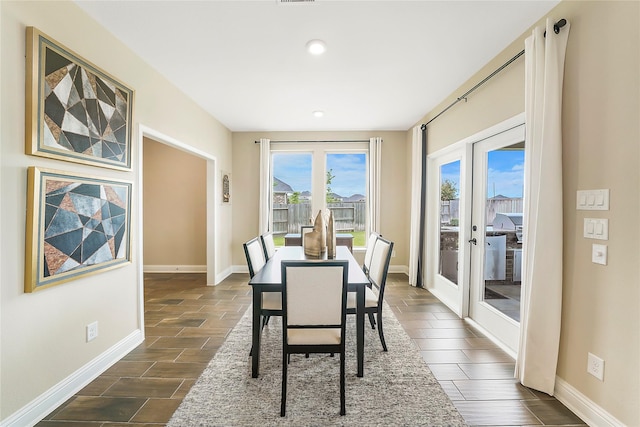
(92,331)
(393,254)
(595,366)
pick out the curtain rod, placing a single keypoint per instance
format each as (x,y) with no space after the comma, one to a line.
(317,141)
(556,29)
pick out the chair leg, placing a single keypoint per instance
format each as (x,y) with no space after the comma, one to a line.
(343,409)
(372,321)
(384,344)
(283,398)
(265,321)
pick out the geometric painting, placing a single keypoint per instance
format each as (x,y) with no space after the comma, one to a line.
(76,225)
(76,111)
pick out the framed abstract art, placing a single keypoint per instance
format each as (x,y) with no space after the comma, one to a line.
(75,111)
(76,225)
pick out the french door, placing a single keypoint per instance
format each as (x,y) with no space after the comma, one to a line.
(474,228)
(446,229)
(496,238)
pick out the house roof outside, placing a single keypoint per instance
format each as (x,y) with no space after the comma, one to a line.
(280,186)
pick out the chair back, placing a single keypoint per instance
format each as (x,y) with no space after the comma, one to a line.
(379,268)
(371,242)
(255,255)
(268,245)
(314,296)
(304,229)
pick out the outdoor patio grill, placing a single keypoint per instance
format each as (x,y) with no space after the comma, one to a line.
(509,222)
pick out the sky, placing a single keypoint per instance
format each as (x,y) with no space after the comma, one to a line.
(505,175)
(349,171)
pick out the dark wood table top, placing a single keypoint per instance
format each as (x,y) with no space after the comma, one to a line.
(270,274)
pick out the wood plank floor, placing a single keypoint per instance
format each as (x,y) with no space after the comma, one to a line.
(186,322)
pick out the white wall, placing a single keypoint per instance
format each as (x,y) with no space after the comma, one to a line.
(43,333)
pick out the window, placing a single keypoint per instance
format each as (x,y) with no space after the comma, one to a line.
(291,193)
(346,189)
(309,177)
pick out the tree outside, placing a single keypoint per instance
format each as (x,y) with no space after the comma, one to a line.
(448,190)
(330,197)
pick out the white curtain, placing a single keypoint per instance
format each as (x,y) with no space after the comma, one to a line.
(375,154)
(541,302)
(265,186)
(416,191)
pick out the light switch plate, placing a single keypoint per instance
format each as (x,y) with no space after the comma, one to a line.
(596,228)
(592,200)
(599,254)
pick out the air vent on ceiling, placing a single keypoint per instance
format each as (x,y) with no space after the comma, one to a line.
(294,1)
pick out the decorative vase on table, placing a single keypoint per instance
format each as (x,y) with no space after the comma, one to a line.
(331,237)
(315,241)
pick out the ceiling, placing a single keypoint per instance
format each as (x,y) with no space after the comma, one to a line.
(387,63)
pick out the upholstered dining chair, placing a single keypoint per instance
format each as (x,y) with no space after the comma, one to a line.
(271,301)
(371,242)
(314,299)
(269,248)
(379,267)
(304,229)
(268,245)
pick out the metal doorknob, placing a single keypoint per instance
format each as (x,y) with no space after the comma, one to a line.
(474,241)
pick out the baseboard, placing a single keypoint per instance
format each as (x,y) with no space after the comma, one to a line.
(224,274)
(399,269)
(175,269)
(40,407)
(583,407)
(240,269)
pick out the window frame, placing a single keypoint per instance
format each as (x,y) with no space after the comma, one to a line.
(319,152)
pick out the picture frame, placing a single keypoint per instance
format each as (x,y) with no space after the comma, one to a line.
(75,111)
(225,179)
(76,225)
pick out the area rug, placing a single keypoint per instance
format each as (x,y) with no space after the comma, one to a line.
(397,388)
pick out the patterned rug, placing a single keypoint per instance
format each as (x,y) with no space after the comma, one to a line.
(397,388)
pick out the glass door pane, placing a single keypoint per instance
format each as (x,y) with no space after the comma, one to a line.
(449,220)
(503,234)
(291,204)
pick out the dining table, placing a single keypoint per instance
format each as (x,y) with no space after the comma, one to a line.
(269,279)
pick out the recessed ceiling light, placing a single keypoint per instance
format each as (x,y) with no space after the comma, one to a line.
(318,113)
(316,47)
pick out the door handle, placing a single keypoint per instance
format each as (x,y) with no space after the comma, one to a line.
(474,241)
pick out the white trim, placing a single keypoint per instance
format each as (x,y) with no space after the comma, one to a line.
(492,338)
(587,410)
(223,275)
(239,269)
(399,269)
(38,408)
(211,197)
(175,269)
(158,136)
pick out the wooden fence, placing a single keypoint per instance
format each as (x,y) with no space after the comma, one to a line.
(451,211)
(346,216)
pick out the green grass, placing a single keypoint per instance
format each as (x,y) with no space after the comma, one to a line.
(358,239)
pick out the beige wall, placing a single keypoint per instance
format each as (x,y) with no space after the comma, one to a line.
(601,139)
(174,200)
(43,334)
(246,185)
